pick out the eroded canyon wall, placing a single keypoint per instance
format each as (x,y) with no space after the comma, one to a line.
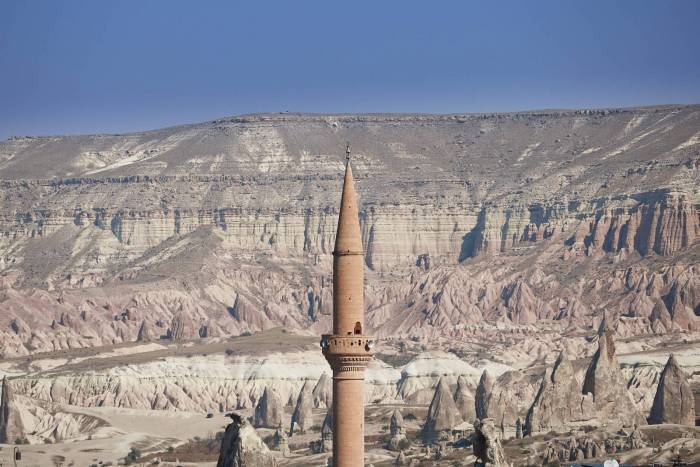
(522,217)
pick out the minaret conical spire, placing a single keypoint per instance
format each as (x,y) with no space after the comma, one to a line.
(348,238)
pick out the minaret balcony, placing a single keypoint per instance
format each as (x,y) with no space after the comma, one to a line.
(348,353)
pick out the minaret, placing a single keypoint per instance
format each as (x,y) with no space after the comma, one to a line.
(348,350)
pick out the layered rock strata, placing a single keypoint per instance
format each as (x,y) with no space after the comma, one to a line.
(122,230)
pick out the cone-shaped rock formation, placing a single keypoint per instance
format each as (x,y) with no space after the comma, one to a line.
(397,430)
(269,410)
(674,401)
(464,400)
(302,416)
(604,380)
(327,432)
(181,327)
(481,397)
(144,334)
(559,401)
(442,414)
(323,392)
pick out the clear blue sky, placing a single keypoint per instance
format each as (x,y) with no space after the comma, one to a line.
(115,66)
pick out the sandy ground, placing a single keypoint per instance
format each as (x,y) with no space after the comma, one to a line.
(144,429)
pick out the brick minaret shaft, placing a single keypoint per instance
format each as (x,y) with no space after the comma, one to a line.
(348,350)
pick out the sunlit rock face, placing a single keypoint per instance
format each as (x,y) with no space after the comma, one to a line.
(226,227)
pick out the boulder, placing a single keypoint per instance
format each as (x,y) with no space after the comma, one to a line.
(674,401)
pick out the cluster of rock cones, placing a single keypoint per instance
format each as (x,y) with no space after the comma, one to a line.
(563,402)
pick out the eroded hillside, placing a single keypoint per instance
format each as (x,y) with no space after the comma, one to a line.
(529,220)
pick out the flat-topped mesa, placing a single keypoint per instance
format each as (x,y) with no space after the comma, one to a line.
(348,350)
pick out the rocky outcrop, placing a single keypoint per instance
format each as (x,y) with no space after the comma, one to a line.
(635,440)
(481,397)
(280,441)
(181,327)
(323,392)
(510,398)
(674,401)
(559,402)
(269,411)
(11,427)
(663,226)
(397,430)
(242,447)
(464,400)
(487,444)
(327,432)
(302,417)
(144,334)
(443,415)
(608,387)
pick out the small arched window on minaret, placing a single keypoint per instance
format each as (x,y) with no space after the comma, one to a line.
(358,328)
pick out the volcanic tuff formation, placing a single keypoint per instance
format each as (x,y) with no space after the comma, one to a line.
(302,417)
(323,392)
(487,444)
(559,402)
(242,447)
(605,382)
(11,428)
(464,400)
(269,411)
(483,392)
(397,430)
(674,401)
(204,230)
(443,415)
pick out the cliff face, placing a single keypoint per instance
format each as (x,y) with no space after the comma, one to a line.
(464,218)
